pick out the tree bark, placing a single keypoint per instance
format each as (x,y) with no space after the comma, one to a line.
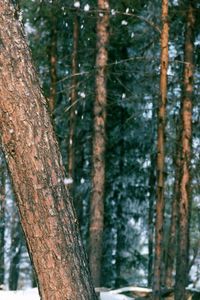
(186,139)
(160,202)
(99,141)
(37,172)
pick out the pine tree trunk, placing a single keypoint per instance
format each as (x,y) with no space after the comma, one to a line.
(53,63)
(172,236)
(73,103)
(99,140)
(152,194)
(2,217)
(160,202)
(37,172)
(186,139)
(15,253)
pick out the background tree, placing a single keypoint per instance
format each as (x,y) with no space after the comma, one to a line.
(2,217)
(160,200)
(99,145)
(184,203)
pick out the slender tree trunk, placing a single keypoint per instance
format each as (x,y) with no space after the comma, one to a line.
(99,140)
(73,102)
(15,253)
(172,236)
(34,161)
(152,196)
(53,63)
(186,138)
(2,217)
(160,203)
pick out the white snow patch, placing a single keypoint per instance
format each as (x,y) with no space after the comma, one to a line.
(77,4)
(86,7)
(68,181)
(31,294)
(124,22)
(82,180)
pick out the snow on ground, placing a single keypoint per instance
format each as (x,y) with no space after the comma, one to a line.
(32,294)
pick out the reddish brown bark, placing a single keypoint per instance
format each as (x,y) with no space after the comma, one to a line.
(34,161)
(73,99)
(99,140)
(185,154)
(160,202)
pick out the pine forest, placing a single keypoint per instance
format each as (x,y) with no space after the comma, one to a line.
(100,148)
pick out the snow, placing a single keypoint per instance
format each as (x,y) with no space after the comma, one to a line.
(32,294)
(77,4)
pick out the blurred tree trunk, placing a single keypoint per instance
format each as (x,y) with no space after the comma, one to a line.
(73,105)
(152,194)
(37,172)
(15,252)
(53,62)
(160,202)
(2,216)
(172,236)
(99,140)
(184,204)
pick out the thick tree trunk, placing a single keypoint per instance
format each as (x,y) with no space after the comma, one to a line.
(2,216)
(186,138)
(34,161)
(99,140)
(73,103)
(160,202)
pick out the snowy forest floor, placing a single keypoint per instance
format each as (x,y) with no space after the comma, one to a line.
(137,293)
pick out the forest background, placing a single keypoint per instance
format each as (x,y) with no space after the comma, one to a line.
(62,38)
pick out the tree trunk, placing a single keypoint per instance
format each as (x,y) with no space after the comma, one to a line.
(53,63)
(160,203)
(172,236)
(34,161)
(99,140)
(186,139)
(15,252)
(73,103)
(2,216)
(152,194)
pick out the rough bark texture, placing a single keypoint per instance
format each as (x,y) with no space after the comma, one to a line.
(2,216)
(35,165)
(186,138)
(73,101)
(99,139)
(160,153)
